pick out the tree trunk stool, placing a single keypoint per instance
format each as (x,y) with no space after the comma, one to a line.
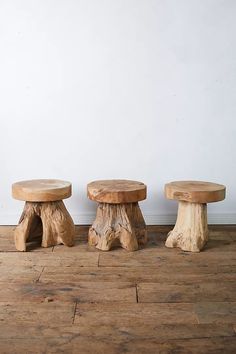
(191,230)
(119,220)
(44,214)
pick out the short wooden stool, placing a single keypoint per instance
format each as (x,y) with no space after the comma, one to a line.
(119,220)
(44,213)
(191,230)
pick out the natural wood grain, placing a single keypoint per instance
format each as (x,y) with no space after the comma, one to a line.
(216,312)
(42,327)
(191,231)
(162,260)
(72,300)
(54,260)
(41,190)
(195,191)
(144,321)
(116,191)
(123,332)
(119,220)
(45,215)
(175,274)
(199,292)
(118,224)
(218,241)
(82,292)
(49,221)
(11,273)
(59,313)
(118,332)
(7,242)
(84,344)
(126,314)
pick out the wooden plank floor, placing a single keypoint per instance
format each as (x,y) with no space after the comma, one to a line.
(155,300)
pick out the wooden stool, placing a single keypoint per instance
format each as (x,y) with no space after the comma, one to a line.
(191,231)
(44,213)
(119,220)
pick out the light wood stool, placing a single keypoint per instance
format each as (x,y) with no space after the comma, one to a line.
(119,220)
(44,213)
(191,230)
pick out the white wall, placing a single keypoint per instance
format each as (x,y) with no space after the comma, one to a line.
(137,89)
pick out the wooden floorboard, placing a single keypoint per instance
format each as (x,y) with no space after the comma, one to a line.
(29,313)
(86,344)
(168,275)
(155,300)
(80,292)
(195,292)
(119,333)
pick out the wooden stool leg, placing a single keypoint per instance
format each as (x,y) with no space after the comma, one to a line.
(191,231)
(118,224)
(57,225)
(22,231)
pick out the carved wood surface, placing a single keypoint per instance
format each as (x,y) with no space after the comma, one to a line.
(195,191)
(191,231)
(49,220)
(41,190)
(118,224)
(117,191)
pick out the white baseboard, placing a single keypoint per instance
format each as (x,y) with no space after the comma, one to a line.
(151,219)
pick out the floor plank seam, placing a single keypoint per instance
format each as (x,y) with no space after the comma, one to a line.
(98,260)
(37,280)
(73,319)
(136,289)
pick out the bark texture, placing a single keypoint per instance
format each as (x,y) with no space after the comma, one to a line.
(191,231)
(49,220)
(118,224)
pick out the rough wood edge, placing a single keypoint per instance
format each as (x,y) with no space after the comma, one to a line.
(56,225)
(118,224)
(191,230)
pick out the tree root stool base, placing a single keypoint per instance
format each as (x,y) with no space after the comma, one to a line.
(118,224)
(191,231)
(50,220)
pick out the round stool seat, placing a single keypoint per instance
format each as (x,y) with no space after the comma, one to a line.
(117,191)
(195,191)
(41,190)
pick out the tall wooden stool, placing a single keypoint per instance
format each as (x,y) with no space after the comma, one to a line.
(44,213)
(119,220)
(191,230)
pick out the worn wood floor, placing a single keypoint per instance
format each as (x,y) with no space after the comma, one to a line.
(155,300)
